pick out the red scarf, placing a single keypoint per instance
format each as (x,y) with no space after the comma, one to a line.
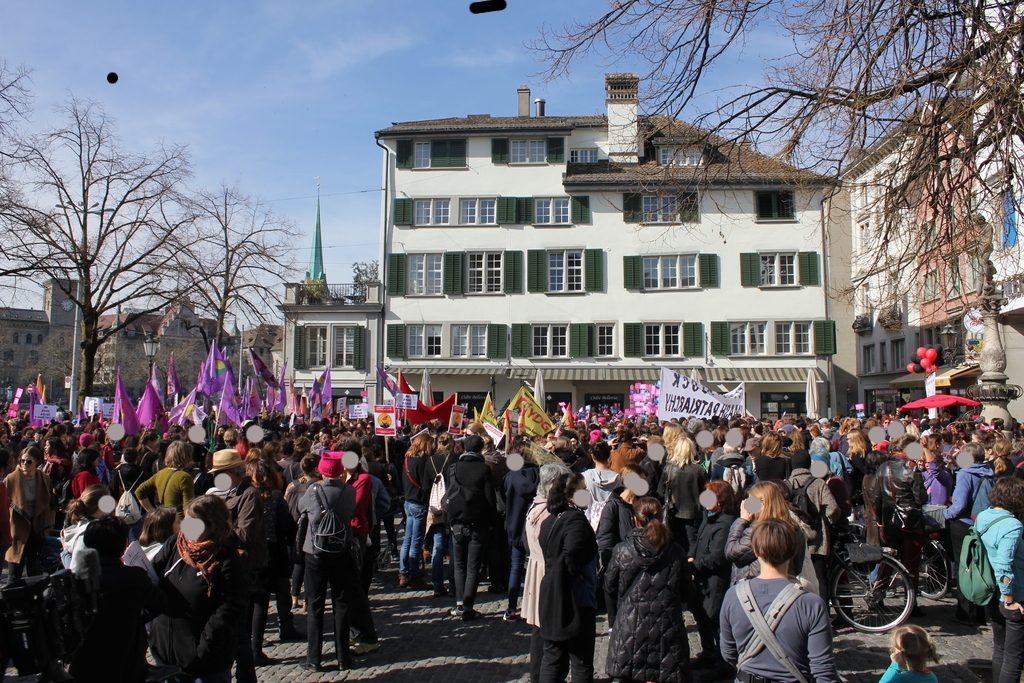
(201,555)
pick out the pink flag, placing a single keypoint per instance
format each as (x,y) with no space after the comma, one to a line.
(326,392)
(173,385)
(228,411)
(154,379)
(124,411)
(149,406)
(253,398)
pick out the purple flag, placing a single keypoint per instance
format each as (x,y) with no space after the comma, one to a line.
(228,412)
(260,368)
(315,393)
(253,403)
(388,381)
(154,379)
(282,392)
(173,385)
(326,391)
(149,406)
(187,410)
(33,399)
(212,372)
(124,412)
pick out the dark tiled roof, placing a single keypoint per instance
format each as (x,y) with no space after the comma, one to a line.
(23,315)
(487,123)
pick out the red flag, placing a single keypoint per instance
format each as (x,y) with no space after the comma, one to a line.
(442,411)
(403,386)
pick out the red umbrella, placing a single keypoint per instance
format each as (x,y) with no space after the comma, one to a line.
(939,401)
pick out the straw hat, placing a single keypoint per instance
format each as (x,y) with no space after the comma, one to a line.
(226,459)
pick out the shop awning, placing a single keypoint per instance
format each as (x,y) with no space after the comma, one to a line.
(761,375)
(911,380)
(959,373)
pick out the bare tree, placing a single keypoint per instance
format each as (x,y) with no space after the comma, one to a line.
(363,273)
(939,81)
(242,257)
(86,210)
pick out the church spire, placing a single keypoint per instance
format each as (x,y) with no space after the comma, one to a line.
(316,255)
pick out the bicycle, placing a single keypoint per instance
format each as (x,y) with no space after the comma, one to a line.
(871,591)
(935,579)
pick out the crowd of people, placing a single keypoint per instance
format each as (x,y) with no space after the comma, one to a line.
(732,521)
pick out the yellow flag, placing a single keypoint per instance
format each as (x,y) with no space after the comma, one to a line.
(40,388)
(487,414)
(532,419)
(476,414)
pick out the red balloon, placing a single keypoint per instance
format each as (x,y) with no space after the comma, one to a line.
(921,352)
(932,355)
(910,368)
(927,365)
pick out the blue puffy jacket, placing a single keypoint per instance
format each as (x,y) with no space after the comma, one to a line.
(967,483)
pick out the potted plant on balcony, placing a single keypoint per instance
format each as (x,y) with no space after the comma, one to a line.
(862,324)
(315,291)
(891,319)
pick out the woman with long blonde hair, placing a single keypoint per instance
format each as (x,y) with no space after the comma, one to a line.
(681,484)
(772,502)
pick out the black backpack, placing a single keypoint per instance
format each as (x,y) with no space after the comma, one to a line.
(801,501)
(331,535)
(454,501)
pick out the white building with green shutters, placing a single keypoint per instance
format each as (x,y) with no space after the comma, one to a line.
(599,249)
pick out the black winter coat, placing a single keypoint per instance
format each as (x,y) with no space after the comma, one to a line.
(570,582)
(647,588)
(711,570)
(480,502)
(614,526)
(520,488)
(198,630)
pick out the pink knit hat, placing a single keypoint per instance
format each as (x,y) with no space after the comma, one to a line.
(85,440)
(330,464)
(595,436)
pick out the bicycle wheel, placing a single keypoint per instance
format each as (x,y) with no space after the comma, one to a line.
(872,597)
(934,581)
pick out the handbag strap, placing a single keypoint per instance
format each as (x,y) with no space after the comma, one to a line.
(764,634)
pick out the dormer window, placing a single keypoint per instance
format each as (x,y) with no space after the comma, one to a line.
(679,156)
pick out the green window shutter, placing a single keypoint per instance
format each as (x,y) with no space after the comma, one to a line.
(593,265)
(633,340)
(454,268)
(396,274)
(506,210)
(396,341)
(524,210)
(439,154)
(497,341)
(299,349)
(556,150)
(359,348)
(632,272)
(521,340)
(581,340)
(499,150)
(580,210)
(750,270)
(536,271)
(708,266)
(719,338)
(693,340)
(808,264)
(456,153)
(631,208)
(825,337)
(404,154)
(513,272)
(402,211)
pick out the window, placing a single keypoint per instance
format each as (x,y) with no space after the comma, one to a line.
(674,156)
(39,339)
(527,151)
(661,339)
(899,352)
(931,285)
(670,272)
(778,270)
(550,340)
(484,273)
(422,156)
(606,340)
(658,209)
(583,155)
(478,211)
(431,211)
(953,268)
(424,340)
(344,347)
(747,339)
(867,359)
(316,346)
(469,341)
(565,271)
(28,339)
(973,272)
(551,211)
(883,357)
(424,274)
(775,205)
(792,338)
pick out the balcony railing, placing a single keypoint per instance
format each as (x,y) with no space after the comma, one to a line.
(322,294)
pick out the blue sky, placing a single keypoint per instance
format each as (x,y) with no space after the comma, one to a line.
(270,94)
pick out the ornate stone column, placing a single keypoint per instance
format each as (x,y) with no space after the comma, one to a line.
(992,389)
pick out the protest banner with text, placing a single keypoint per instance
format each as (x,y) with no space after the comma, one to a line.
(683,397)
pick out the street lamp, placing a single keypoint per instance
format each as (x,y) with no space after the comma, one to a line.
(150,346)
(950,343)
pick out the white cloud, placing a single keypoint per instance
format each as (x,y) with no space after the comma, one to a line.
(326,61)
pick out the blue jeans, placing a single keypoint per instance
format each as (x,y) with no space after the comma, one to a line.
(516,575)
(442,542)
(412,543)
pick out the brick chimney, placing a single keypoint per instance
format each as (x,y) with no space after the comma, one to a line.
(623,128)
(524,100)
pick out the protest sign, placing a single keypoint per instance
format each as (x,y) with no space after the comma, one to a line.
(12,411)
(683,397)
(341,405)
(455,421)
(496,434)
(407,401)
(44,412)
(384,420)
(358,411)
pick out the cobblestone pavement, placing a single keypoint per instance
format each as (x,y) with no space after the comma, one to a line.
(420,642)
